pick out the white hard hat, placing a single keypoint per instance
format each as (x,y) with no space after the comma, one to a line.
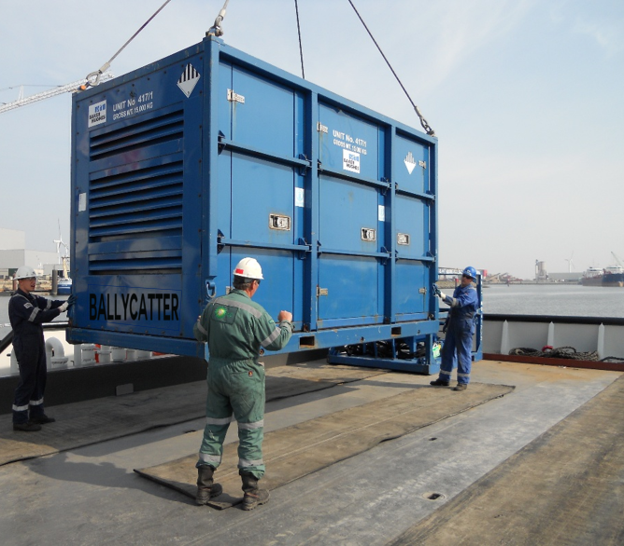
(248,268)
(25,272)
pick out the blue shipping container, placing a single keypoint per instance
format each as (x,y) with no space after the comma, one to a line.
(183,167)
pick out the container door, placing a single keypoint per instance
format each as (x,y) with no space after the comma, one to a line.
(257,186)
(414,228)
(351,221)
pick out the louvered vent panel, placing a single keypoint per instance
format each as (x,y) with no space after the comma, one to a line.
(138,208)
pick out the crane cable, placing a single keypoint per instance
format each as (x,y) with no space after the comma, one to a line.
(423,121)
(300,46)
(93,78)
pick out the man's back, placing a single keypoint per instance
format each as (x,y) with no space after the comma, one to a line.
(236,327)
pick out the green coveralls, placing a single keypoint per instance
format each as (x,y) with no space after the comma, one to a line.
(236,328)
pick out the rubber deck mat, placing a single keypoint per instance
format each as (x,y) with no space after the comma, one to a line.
(84,423)
(565,487)
(293,452)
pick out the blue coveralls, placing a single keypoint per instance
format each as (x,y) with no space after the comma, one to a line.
(457,348)
(27,313)
(237,329)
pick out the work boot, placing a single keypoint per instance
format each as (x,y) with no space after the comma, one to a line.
(461,387)
(27,427)
(253,495)
(206,488)
(42,419)
(439,383)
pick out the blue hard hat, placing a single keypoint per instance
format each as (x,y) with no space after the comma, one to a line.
(470,272)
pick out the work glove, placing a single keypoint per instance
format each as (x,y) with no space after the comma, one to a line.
(436,290)
(64,307)
(441,295)
(71,300)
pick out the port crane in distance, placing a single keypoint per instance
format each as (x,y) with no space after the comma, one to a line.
(78,85)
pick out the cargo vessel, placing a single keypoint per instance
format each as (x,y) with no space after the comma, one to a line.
(612,275)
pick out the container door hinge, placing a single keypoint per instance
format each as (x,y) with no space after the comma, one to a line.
(235,97)
(321,291)
(422,291)
(321,128)
(423,164)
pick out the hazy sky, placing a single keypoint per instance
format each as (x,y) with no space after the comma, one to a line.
(526,98)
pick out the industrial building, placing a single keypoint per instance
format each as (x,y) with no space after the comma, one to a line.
(13,254)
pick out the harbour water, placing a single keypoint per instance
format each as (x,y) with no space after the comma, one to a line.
(516,299)
(554,299)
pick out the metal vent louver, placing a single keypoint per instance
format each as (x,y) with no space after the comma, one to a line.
(135,210)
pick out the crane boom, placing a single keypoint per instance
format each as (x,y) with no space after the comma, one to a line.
(617,260)
(74,86)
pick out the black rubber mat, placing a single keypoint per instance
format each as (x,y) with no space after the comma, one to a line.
(298,450)
(94,421)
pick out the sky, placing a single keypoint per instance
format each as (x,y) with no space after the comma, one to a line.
(526,98)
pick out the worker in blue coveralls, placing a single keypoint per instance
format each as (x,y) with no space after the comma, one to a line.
(457,346)
(237,330)
(27,313)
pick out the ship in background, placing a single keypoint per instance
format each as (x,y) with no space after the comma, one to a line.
(612,275)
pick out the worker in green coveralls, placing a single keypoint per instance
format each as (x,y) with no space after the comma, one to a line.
(236,330)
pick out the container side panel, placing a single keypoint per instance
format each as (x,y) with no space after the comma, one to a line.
(348,288)
(277,289)
(411,222)
(348,211)
(261,108)
(262,201)
(411,165)
(347,143)
(410,277)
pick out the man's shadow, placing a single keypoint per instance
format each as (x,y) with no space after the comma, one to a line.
(103,474)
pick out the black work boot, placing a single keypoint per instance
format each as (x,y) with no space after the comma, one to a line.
(42,419)
(27,427)
(206,488)
(253,495)
(439,383)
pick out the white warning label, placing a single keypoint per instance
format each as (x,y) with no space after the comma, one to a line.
(97,113)
(410,162)
(188,80)
(350,161)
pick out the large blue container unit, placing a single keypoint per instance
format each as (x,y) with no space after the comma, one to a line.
(183,167)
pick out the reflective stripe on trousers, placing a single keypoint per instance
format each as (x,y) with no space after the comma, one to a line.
(236,389)
(457,351)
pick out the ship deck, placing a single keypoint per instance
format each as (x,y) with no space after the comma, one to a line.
(537,463)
